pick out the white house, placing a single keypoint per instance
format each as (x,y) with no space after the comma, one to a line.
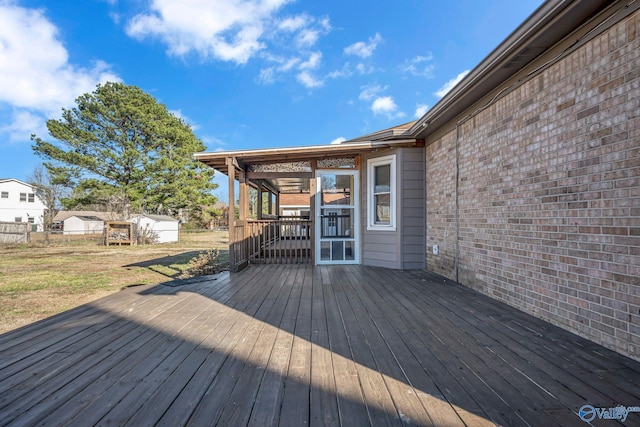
(83,224)
(158,228)
(21,202)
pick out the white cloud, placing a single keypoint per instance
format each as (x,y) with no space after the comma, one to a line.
(308,80)
(338,140)
(306,28)
(214,144)
(362,49)
(228,30)
(386,106)
(36,78)
(421,110)
(179,114)
(419,66)
(304,70)
(343,73)
(269,75)
(450,84)
(266,76)
(313,62)
(307,38)
(363,69)
(367,93)
(305,77)
(294,23)
(21,124)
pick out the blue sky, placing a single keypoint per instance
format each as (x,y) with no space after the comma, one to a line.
(243,73)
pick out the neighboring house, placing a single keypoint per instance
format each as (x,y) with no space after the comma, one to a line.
(522,182)
(104,216)
(21,202)
(83,224)
(295,204)
(156,228)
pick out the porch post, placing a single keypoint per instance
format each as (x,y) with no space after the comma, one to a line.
(260,188)
(231,173)
(312,210)
(244,196)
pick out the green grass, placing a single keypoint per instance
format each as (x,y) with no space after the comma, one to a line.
(39,280)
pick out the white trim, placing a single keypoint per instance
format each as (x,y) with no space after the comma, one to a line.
(393,190)
(356,216)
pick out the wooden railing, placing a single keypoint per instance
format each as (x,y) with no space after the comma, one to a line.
(283,241)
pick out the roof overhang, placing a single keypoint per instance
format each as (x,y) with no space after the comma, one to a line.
(293,181)
(218,159)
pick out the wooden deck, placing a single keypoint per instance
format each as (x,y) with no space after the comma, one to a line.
(300,345)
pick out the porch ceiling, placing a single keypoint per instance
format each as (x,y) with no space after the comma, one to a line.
(290,185)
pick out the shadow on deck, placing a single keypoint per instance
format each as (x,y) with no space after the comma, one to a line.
(300,345)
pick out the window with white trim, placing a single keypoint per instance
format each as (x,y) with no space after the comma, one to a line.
(4,195)
(23,197)
(381,180)
(31,197)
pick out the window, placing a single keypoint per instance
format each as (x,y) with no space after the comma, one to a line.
(18,219)
(382,193)
(31,220)
(23,197)
(4,195)
(32,197)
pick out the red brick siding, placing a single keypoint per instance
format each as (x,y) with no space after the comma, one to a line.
(549,194)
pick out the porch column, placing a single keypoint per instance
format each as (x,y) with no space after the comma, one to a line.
(260,189)
(312,210)
(231,173)
(244,196)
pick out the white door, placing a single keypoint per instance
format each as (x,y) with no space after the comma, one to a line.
(337,221)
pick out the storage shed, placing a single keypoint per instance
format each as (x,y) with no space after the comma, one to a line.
(156,228)
(83,224)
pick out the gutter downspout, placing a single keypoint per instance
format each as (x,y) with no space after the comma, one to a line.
(457,215)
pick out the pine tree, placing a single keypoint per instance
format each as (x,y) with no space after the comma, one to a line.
(119,146)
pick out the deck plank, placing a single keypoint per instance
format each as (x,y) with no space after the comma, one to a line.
(323,405)
(382,410)
(392,326)
(527,344)
(291,344)
(266,410)
(491,379)
(297,391)
(351,403)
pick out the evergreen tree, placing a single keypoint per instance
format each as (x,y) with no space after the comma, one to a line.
(120,147)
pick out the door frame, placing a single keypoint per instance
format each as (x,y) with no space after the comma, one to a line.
(355,229)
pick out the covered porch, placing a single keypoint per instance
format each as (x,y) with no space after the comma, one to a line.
(329,176)
(301,345)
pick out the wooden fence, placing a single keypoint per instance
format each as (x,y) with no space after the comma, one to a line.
(282,241)
(14,232)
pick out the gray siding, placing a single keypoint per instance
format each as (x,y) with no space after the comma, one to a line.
(412,208)
(403,248)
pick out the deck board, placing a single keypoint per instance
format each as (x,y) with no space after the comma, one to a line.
(303,345)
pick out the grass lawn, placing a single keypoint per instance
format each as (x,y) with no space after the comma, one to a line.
(38,280)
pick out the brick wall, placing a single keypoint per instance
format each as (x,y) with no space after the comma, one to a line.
(549,194)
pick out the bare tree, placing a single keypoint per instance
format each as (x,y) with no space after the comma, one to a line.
(49,192)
